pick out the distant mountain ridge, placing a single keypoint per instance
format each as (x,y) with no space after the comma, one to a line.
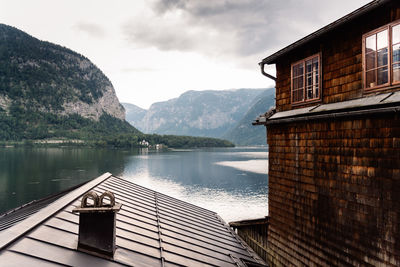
(244,133)
(53,79)
(133,113)
(211,113)
(198,113)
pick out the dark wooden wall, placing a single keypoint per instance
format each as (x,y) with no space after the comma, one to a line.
(334,192)
(254,233)
(341,59)
(334,184)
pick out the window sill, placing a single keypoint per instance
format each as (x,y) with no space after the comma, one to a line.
(382,88)
(313,101)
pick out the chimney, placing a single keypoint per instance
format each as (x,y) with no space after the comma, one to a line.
(97,224)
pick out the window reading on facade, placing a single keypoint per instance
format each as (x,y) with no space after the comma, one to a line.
(305,80)
(312,82)
(298,83)
(376,55)
(382,57)
(396,53)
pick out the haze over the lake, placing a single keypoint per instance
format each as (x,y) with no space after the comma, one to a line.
(155,50)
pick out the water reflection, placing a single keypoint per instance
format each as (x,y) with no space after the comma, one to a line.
(190,175)
(194,176)
(27,174)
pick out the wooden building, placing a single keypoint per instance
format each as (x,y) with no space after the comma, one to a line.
(334,144)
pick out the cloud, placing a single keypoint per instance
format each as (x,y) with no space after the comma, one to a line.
(139,69)
(91,29)
(229,28)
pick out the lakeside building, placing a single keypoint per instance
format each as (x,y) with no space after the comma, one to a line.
(334,145)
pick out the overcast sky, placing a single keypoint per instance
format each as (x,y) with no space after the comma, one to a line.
(154,50)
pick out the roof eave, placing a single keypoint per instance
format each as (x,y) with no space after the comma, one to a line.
(351,16)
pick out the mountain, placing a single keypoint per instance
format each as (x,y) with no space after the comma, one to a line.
(198,113)
(134,113)
(244,133)
(48,78)
(50,91)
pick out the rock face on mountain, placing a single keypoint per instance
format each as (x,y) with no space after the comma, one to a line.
(45,77)
(198,113)
(134,113)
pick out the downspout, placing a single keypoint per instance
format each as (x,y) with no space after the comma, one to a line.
(262,64)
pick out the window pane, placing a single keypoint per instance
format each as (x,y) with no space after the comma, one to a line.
(382,39)
(396,53)
(382,76)
(396,34)
(301,69)
(309,79)
(301,82)
(315,64)
(396,72)
(295,71)
(298,70)
(370,44)
(382,57)
(309,65)
(370,79)
(298,95)
(301,95)
(370,58)
(298,83)
(295,83)
(309,92)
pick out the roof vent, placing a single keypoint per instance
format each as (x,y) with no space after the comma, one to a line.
(97,223)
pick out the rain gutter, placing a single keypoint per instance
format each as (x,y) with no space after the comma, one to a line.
(334,115)
(262,64)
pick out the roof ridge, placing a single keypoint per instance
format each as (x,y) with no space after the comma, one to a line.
(331,26)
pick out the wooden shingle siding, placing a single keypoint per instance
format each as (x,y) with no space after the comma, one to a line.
(341,61)
(254,233)
(334,192)
(334,169)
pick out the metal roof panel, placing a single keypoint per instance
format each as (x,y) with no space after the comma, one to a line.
(152,229)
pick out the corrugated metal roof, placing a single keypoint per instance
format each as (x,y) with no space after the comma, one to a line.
(18,214)
(152,230)
(365,9)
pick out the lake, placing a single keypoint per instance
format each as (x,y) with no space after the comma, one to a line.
(230,181)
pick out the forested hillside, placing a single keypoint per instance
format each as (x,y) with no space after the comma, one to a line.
(49,78)
(51,92)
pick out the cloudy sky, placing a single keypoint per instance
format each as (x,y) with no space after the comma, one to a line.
(154,50)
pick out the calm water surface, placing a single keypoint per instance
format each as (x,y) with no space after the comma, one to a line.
(231,182)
